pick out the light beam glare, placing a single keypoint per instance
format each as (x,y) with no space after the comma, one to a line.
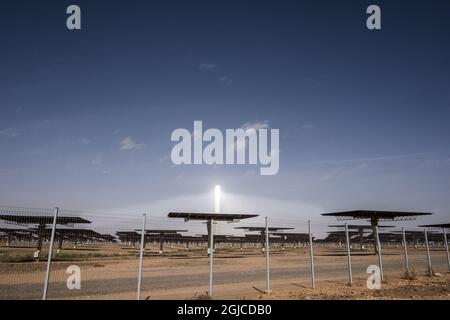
(217,199)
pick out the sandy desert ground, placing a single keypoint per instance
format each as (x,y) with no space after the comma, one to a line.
(180,274)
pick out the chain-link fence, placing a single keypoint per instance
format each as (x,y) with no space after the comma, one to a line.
(125,256)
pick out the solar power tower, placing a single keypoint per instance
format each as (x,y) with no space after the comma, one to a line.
(442,226)
(262,231)
(210,218)
(375,217)
(41,221)
(361,229)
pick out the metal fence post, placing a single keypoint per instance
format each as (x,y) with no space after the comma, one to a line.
(50,252)
(405,249)
(349,258)
(430,267)
(267,257)
(446,248)
(378,246)
(311,254)
(141,257)
(211,253)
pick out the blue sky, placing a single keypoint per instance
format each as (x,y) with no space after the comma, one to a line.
(86,116)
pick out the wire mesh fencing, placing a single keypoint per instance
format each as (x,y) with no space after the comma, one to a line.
(96,260)
(86,249)
(128,256)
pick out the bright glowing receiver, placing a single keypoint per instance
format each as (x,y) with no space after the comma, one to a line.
(217,200)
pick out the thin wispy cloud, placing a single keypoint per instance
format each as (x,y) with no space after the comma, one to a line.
(84,140)
(128,144)
(436,162)
(380,158)
(207,66)
(256,125)
(98,160)
(250,125)
(9,132)
(225,80)
(164,158)
(307,126)
(221,76)
(250,173)
(341,172)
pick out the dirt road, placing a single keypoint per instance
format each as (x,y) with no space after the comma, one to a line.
(234,277)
